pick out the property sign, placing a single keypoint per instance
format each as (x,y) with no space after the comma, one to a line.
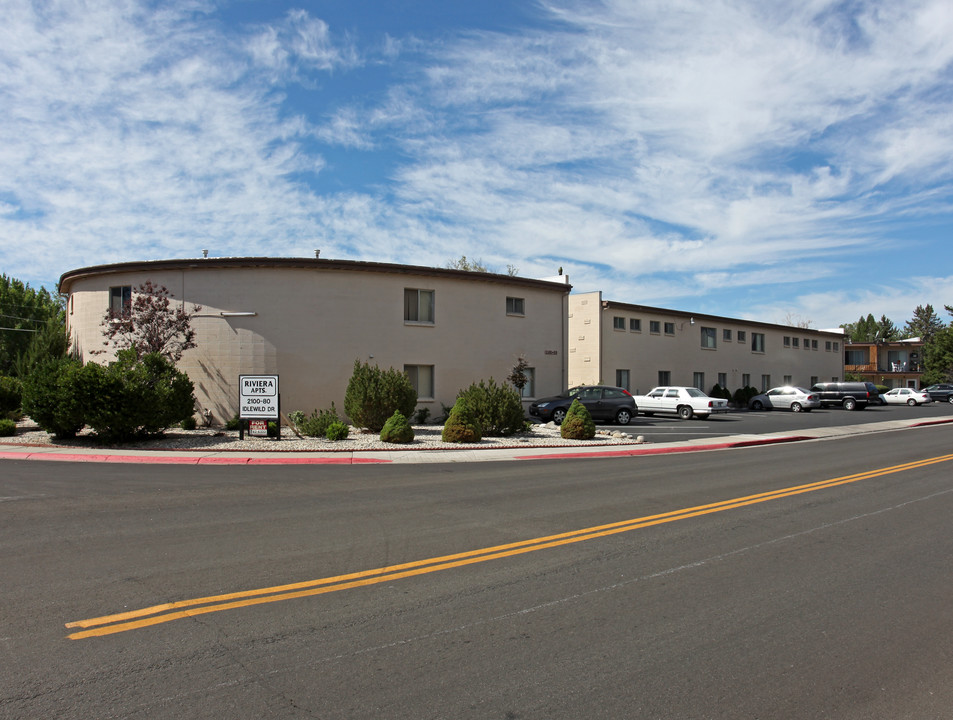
(258,397)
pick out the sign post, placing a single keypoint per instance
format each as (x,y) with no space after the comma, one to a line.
(259,401)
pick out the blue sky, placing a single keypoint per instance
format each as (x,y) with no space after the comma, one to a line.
(779,161)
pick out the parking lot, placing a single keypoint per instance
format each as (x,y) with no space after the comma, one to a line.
(743,422)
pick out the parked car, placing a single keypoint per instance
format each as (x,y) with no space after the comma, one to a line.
(787,397)
(906,396)
(685,402)
(941,393)
(605,403)
(849,395)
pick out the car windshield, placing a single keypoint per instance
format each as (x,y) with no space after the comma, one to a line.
(695,392)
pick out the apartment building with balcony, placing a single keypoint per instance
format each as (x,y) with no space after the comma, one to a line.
(897,363)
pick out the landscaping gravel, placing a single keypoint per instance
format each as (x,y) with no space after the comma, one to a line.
(426,437)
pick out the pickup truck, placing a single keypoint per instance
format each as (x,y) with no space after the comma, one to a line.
(686,402)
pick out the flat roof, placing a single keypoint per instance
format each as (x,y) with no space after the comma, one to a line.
(322,264)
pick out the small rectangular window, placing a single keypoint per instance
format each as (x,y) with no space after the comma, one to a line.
(664,377)
(765,382)
(827,345)
(746,379)
(723,380)
(836,349)
(418,305)
(421,377)
(669,328)
(698,380)
(120,300)
(796,342)
(813,344)
(515,306)
(622,379)
(742,336)
(787,341)
(757,342)
(787,379)
(655,327)
(708,338)
(618,323)
(635,325)
(726,336)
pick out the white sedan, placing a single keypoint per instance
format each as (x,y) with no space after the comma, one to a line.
(906,396)
(685,402)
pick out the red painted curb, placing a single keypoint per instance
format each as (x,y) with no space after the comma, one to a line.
(184,460)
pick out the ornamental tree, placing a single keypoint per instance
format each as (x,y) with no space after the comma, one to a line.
(150,324)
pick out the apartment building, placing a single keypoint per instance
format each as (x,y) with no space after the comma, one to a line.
(308,320)
(639,347)
(896,363)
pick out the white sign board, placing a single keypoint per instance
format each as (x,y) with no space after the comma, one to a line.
(258,396)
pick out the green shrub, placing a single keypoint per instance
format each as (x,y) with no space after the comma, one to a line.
(190,423)
(133,398)
(8,428)
(317,424)
(272,429)
(422,416)
(461,426)
(397,430)
(337,431)
(234,424)
(497,408)
(373,395)
(578,424)
(11,395)
(297,417)
(50,398)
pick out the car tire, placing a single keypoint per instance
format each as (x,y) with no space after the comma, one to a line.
(623,416)
(559,414)
(950,399)
(911,402)
(757,406)
(850,404)
(685,412)
(796,407)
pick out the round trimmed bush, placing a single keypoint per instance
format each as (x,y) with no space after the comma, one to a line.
(578,424)
(337,431)
(8,428)
(397,430)
(461,426)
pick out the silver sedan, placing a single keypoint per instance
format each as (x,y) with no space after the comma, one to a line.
(788,397)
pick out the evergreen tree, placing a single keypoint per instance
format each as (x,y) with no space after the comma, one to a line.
(924,325)
(24,313)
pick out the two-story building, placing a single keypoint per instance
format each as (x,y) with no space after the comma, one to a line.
(639,347)
(895,363)
(308,320)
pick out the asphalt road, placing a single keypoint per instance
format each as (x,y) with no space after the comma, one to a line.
(806,580)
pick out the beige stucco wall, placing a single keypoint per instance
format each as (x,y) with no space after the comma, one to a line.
(597,350)
(313,321)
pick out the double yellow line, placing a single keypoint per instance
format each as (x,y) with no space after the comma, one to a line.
(156,614)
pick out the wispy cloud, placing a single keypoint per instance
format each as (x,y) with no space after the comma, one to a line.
(732,156)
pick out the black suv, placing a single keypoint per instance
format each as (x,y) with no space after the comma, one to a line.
(849,395)
(940,393)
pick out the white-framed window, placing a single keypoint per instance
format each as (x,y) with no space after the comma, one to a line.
(515,306)
(120,299)
(635,325)
(622,379)
(708,338)
(655,327)
(529,389)
(421,377)
(418,306)
(757,342)
(618,323)
(698,380)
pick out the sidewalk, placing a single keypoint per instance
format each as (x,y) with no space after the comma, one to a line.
(464,454)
